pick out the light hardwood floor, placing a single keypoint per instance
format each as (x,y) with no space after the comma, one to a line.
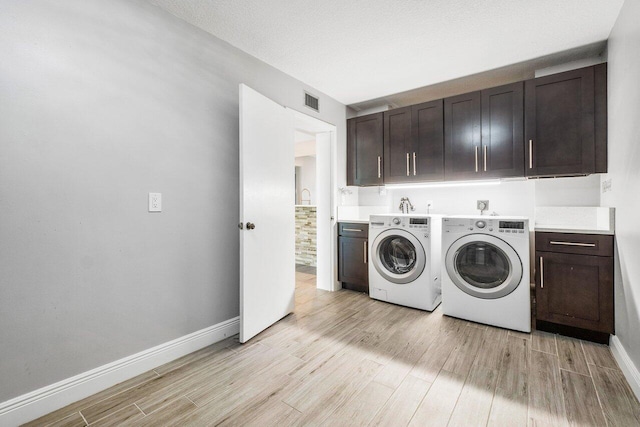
(343,359)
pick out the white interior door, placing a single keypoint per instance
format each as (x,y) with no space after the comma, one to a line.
(267,198)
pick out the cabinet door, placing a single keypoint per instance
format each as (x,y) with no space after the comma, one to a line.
(559,124)
(462,137)
(353,262)
(397,144)
(575,290)
(427,148)
(503,131)
(364,150)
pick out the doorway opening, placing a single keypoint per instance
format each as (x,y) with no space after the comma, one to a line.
(314,206)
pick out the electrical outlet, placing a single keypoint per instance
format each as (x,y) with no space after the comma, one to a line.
(482,205)
(606,185)
(155,202)
(429,206)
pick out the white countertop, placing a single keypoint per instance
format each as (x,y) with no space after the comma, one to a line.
(578,220)
(359,214)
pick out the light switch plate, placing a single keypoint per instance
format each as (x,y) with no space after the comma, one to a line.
(155,202)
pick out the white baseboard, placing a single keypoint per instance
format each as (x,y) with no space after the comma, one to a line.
(629,370)
(55,396)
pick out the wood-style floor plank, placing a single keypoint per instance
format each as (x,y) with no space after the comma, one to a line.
(509,406)
(129,415)
(75,407)
(438,351)
(73,420)
(464,353)
(546,401)
(492,348)
(571,355)
(345,359)
(580,400)
(544,342)
(361,408)
(169,415)
(599,355)
(249,406)
(619,404)
(474,403)
(401,406)
(438,404)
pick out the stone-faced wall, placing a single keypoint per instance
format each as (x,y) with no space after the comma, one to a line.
(306,235)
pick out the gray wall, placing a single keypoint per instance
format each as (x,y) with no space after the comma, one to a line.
(624,167)
(102,102)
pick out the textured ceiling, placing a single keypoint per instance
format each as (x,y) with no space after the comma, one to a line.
(358,50)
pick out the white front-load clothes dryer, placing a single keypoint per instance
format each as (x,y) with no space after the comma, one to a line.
(404,259)
(486,270)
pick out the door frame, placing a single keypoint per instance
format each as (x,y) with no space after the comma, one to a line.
(326,232)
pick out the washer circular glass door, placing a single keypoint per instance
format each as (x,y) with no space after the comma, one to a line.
(398,256)
(484,266)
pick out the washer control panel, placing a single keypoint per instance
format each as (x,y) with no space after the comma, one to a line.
(410,222)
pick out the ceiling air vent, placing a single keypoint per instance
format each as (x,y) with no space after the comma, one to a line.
(311,102)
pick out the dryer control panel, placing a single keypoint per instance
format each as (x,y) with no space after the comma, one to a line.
(486,225)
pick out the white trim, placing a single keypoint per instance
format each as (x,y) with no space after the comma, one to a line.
(32,405)
(629,370)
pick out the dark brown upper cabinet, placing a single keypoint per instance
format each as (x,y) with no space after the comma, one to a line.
(565,123)
(502,147)
(365,150)
(462,137)
(414,143)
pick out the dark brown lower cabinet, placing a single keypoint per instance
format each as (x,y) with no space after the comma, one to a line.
(353,257)
(574,291)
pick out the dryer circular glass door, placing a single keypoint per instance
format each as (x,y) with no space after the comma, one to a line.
(484,266)
(398,256)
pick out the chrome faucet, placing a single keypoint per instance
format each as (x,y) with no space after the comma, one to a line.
(405,205)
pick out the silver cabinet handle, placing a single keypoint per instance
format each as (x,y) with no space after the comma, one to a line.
(476,148)
(484,153)
(530,154)
(587,245)
(407,164)
(352,229)
(364,245)
(414,163)
(541,273)
(379,173)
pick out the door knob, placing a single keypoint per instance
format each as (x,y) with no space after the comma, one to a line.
(250,226)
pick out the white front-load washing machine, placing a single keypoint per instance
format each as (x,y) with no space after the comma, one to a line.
(486,270)
(404,259)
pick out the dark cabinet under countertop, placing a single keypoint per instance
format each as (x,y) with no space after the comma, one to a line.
(574,284)
(353,257)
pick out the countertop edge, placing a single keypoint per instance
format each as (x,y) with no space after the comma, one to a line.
(357,221)
(574,231)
